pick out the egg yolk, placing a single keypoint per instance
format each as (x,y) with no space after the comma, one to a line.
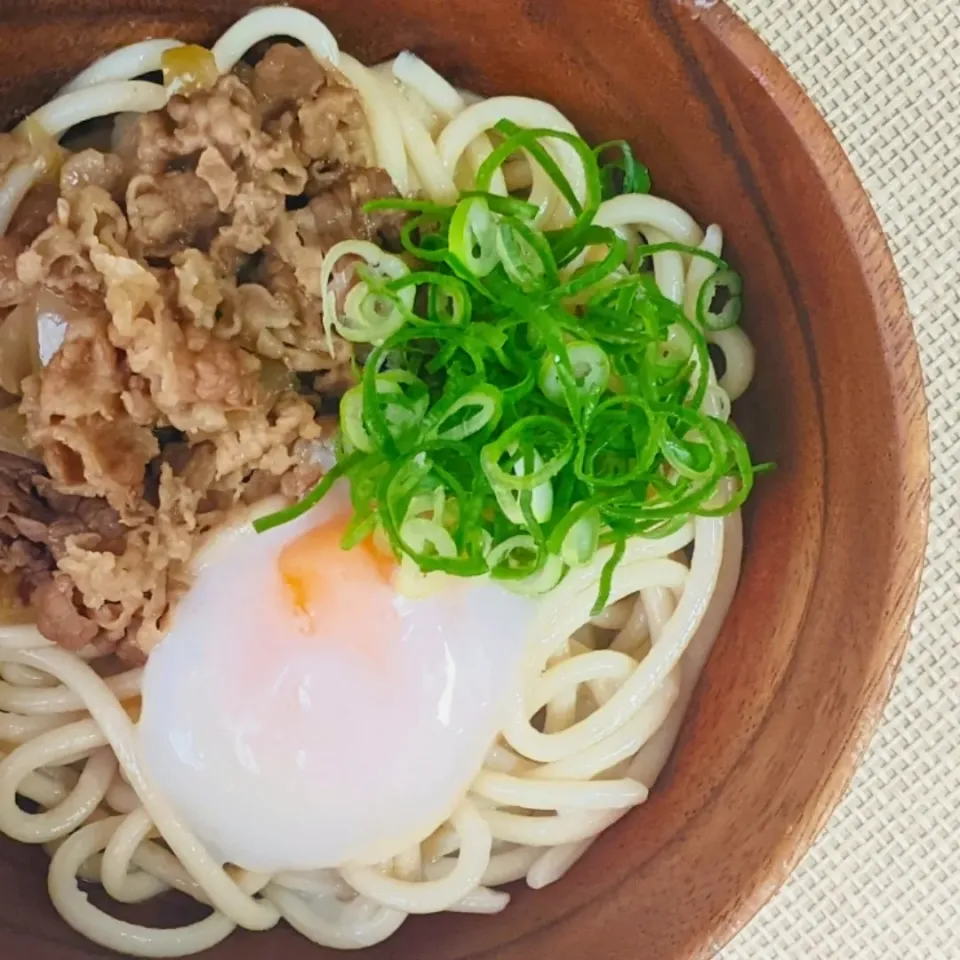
(317,573)
(335,594)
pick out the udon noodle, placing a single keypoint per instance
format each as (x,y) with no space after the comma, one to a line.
(603,697)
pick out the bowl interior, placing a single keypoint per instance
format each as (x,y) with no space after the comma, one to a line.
(834,537)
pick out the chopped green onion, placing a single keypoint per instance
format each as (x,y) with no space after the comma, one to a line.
(370,312)
(407,205)
(696,454)
(591,371)
(566,243)
(623,175)
(644,250)
(351,421)
(340,469)
(520,565)
(528,398)
(594,273)
(469,414)
(422,535)
(431,245)
(606,576)
(510,206)
(543,581)
(582,539)
(506,554)
(549,333)
(402,413)
(516,139)
(541,497)
(473,236)
(620,443)
(728,287)
(542,433)
(369,316)
(449,300)
(525,256)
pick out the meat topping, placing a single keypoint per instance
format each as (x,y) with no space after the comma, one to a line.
(160,307)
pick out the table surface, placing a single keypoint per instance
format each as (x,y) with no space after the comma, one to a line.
(883,881)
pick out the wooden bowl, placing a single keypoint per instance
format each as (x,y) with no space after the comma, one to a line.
(835,537)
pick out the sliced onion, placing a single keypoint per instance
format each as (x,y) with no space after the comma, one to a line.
(19,356)
(31,335)
(188,69)
(13,432)
(52,318)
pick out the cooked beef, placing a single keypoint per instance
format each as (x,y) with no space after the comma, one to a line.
(37,526)
(219,176)
(168,389)
(333,127)
(256,208)
(34,213)
(35,513)
(17,494)
(146,144)
(338,212)
(285,75)
(91,168)
(77,419)
(170,212)
(225,117)
(58,617)
(60,258)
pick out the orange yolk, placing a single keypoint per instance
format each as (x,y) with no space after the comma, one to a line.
(332,588)
(314,565)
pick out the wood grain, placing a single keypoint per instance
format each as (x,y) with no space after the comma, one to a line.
(835,537)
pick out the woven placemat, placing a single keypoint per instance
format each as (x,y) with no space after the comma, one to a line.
(884,880)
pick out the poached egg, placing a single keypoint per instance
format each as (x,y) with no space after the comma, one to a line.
(301,712)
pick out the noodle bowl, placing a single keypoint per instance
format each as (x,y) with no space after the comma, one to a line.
(602,695)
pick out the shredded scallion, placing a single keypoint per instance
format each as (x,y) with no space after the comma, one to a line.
(529,397)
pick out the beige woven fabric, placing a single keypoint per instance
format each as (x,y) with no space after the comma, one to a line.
(884,880)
